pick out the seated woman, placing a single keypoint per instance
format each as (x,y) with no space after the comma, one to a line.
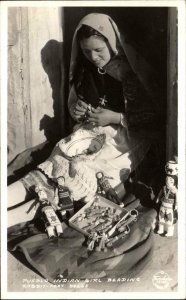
(112,99)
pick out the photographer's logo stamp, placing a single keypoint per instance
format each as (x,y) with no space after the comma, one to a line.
(161,280)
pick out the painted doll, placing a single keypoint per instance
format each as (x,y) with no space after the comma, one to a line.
(65,204)
(168,201)
(48,215)
(106,189)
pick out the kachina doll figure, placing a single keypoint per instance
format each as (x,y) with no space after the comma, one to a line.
(65,204)
(106,189)
(168,201)
(48,214)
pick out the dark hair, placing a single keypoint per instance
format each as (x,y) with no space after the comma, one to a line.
(86,31)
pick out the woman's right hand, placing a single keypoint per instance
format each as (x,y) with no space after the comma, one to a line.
(79,109)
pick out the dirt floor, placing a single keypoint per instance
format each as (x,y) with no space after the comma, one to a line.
(164,260)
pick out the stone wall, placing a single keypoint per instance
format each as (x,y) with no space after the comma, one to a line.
(34,76)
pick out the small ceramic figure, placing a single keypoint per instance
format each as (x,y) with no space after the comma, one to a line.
(65,204)
(168,200)
(49,216)
(107,189)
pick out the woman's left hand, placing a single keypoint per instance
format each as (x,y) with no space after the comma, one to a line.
(102,117)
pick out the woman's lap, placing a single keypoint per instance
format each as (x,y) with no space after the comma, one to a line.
(114,160)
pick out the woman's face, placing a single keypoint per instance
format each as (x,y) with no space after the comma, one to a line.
(96,50)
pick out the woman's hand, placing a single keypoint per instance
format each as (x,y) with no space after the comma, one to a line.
(79,109)
(102,117)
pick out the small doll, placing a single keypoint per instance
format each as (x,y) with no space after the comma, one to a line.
(106,189)
(65,204)
(48,216)
(168,201)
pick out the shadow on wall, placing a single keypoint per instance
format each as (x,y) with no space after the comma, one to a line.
(51,59)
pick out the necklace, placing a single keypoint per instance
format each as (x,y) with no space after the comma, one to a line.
(101,71)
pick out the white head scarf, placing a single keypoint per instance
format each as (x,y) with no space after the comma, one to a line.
(104,25)
(107,27)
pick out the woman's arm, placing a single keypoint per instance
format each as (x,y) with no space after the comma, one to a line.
(77,107)
(99,116)
(103,117)
(72,100)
